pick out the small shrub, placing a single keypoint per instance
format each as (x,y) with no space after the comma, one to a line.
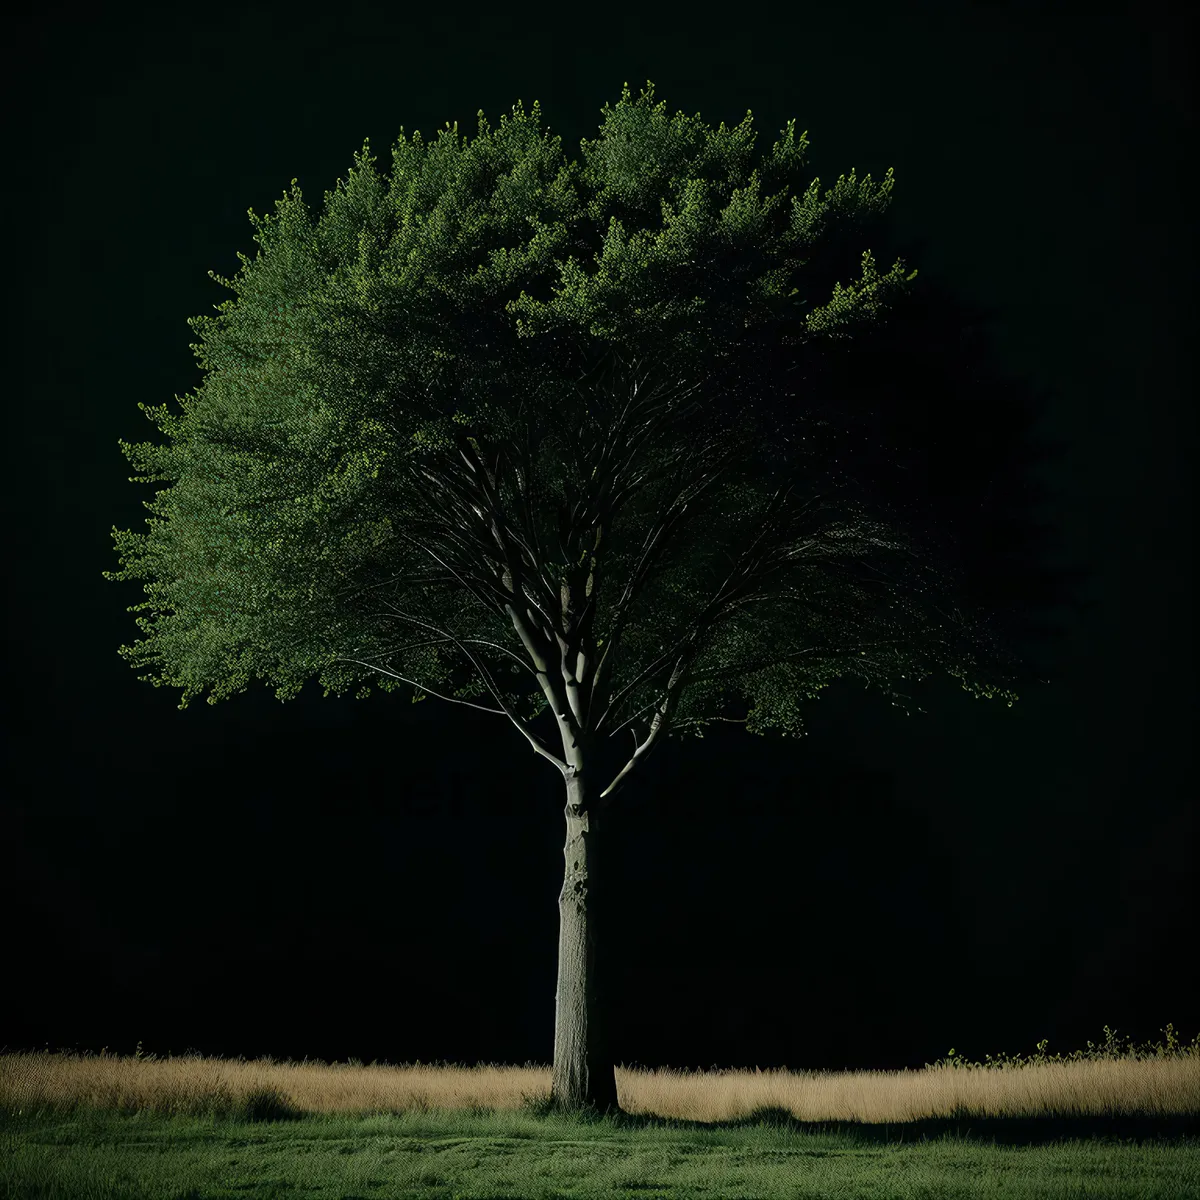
(774,1115)
(1110,1051)
(267,1104)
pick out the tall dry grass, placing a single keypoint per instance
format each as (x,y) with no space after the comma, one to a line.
(1158,1082)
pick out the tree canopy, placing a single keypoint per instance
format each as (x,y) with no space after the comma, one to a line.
(504,419)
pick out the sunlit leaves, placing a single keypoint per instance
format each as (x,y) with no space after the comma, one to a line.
(416,416)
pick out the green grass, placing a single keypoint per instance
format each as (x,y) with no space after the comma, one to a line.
(1099,1123)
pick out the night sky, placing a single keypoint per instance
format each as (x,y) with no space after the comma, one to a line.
(335,878)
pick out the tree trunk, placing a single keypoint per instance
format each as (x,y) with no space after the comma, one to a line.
(584,1075)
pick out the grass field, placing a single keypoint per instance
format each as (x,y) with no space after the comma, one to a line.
(1100,1123)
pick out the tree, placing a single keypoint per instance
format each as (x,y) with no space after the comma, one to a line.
(509,412)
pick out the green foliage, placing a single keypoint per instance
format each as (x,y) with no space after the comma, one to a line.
(682,213)
(1110,1051)
(502,406)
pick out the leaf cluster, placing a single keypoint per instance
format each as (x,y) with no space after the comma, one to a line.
(505,406)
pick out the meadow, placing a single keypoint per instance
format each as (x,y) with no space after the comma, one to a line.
(1100,1123)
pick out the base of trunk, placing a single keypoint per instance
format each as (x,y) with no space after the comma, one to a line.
(583,1078)
(601,1101)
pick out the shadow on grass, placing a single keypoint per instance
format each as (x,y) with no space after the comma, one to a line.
(266,1106)
(1002,1131)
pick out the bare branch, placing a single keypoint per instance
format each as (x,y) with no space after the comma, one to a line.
(748,666)
(643,675)
(423,687)
(750,568)
(443,640)
(629,720)
(652,548)
(504,535)
(487,528)
(660,723)
(492,605)
(720,604)
(485,675)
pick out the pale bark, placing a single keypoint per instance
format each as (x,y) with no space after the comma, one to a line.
(583,1073)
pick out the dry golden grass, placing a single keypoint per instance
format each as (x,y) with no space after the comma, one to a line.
(1150,1086)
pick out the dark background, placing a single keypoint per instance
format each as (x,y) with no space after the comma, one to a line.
(338,878)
